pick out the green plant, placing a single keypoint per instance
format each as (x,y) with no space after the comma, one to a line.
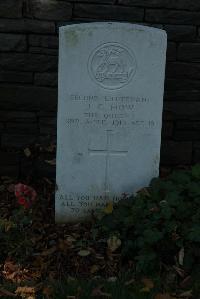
(161,224)
(14,236)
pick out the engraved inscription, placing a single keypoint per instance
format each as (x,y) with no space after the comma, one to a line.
(110,112)
(112,65)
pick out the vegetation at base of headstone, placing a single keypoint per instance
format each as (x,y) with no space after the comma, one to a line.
(160,226)
(14,235)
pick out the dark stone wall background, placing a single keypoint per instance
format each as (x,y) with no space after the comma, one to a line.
(28,75)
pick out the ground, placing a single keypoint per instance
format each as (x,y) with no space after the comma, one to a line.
(41,259)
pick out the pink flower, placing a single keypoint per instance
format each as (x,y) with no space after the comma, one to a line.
(26,195)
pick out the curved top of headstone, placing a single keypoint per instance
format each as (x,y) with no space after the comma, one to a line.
(113,25)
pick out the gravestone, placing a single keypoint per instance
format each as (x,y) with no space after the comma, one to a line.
(111,78)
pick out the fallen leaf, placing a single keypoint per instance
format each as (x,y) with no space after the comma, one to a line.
(113,243)
(148,285)
(11,188)
(186,281)
(49,251)
(97,292)
(180,271)
(27,152)
(94,269)
(129,282)
(181,256)
(4,292)
(84,252)
(163,296)
(26,291)
(112,279)
(47,291)
(109,208)
(186,294)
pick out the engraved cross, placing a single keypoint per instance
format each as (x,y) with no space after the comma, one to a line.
(107,152)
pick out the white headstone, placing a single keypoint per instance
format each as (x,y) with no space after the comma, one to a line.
(111,78)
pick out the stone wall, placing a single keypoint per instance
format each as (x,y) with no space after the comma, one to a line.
(28,75)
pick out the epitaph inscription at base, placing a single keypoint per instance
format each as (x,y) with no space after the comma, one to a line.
(111,78)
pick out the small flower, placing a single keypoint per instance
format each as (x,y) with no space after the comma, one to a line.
(26,195)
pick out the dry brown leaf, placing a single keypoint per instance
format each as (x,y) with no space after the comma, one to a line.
(13,272)
(47,291)
(148,283)
(28,292)
(49,251)
(94,269)
(97,292)
(163,296)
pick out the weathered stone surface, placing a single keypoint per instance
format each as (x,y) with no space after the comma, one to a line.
(172,17)
(183,70)
(51,10)
(46,51)
(46,79)
(18,77)
(28,62)
(189,52)
(171,51)
(110,107)
(28,98)
(27,26)
(11,8)
(12,42)
(181,32)
(17,116)
(18,141)
(179,4)
(46,41)
(9,162)
(176,153)
(183,110)
(105,12)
